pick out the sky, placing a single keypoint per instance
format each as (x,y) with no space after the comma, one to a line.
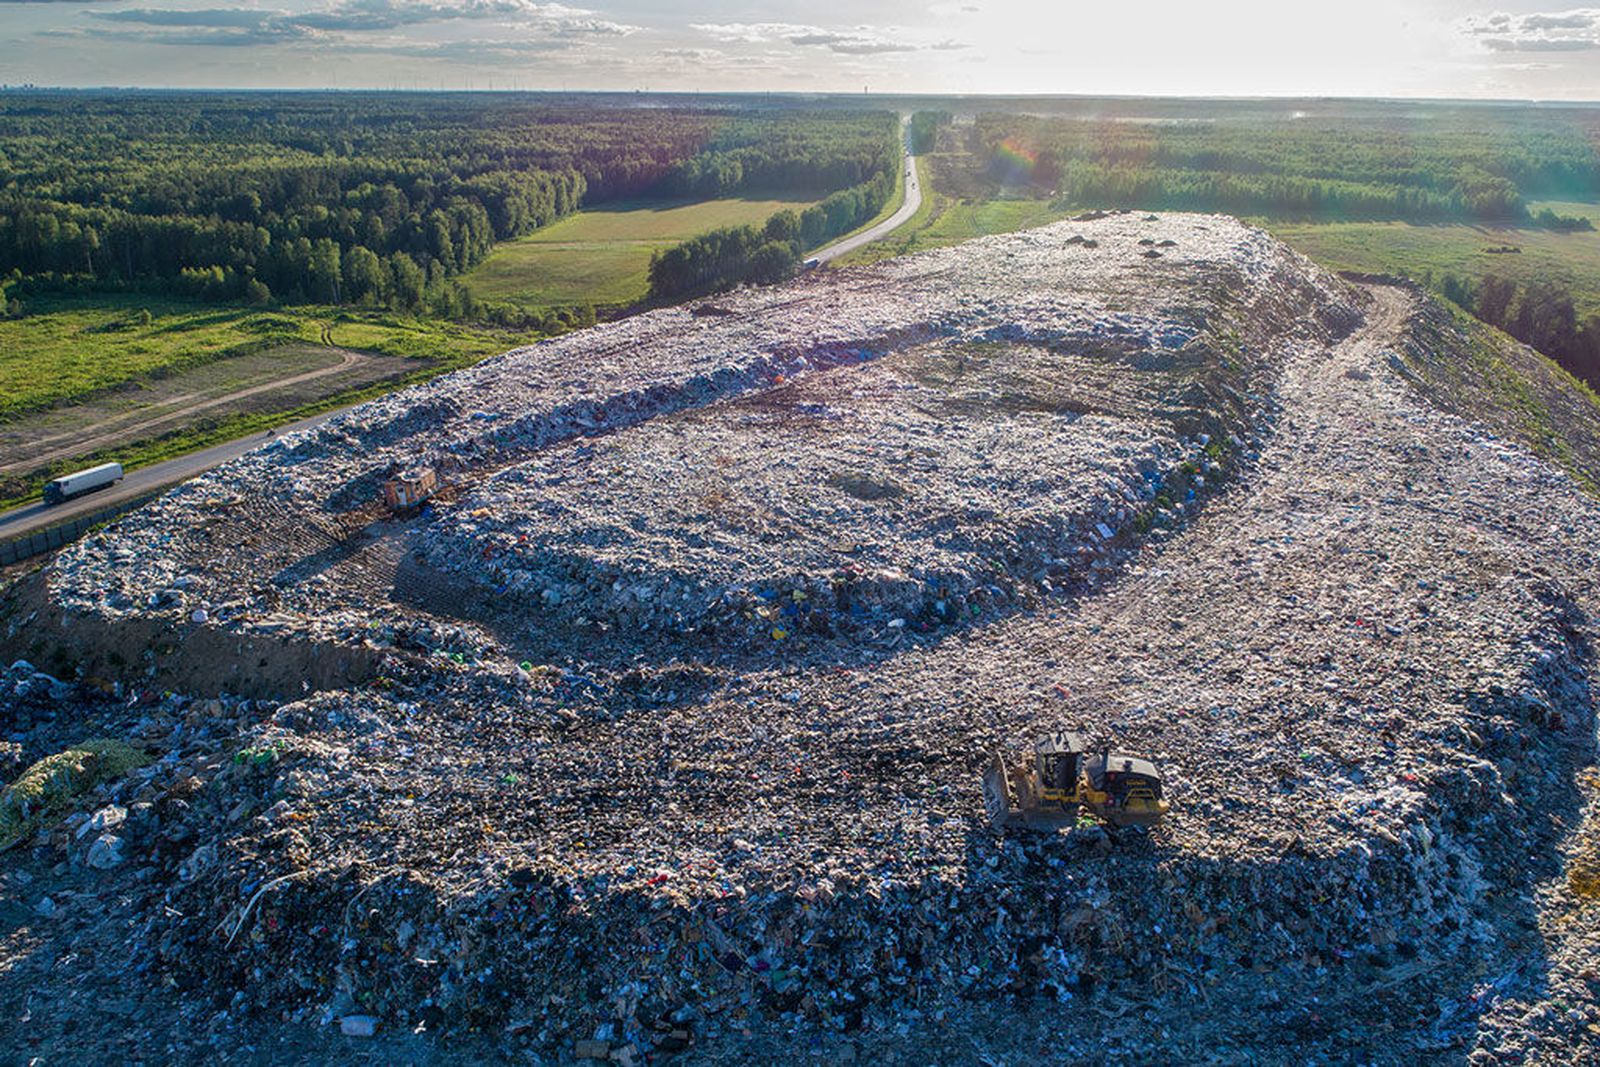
(1412,48)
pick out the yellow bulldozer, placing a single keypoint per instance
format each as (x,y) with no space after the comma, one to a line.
(1046,792)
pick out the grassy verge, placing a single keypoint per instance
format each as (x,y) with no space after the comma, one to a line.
(889,208)
(1482,374)
(947,220)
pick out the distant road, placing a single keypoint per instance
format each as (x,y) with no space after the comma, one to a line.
(907,209)
(145,480)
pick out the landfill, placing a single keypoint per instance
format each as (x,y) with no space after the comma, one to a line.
(657,733)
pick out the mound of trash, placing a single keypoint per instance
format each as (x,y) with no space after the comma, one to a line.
(1036,394)
(660,726)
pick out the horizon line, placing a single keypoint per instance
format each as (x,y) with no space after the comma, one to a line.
(802,93)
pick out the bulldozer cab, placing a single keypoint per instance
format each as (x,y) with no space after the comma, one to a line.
(1046,792)
(410,489)
(1059,759)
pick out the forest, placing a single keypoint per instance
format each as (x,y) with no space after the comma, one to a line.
(369,199)
(1449,165)
(924,130)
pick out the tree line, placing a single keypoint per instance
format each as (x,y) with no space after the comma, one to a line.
(924,130)
(770,253)
(372,199)
(1541,314)
(816,151)
(1455,166)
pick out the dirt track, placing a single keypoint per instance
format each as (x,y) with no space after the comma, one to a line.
(192,406)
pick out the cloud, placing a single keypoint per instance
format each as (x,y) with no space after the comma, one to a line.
(508,51)
(220,34)
(853,41)
(849,44)
(1572,20)
(1577,30)
(353,22)
(207,17)
(359,15)
(748,32)
(1540,44)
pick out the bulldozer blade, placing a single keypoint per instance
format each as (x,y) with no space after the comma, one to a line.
(997,793)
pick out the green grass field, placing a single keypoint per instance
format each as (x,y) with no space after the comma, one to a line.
(68,348)
(602,256)
(1571,260)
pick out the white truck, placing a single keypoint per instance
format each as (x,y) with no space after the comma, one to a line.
(79,482)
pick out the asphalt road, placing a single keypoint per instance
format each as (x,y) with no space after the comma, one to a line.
(887,226)
(25,520)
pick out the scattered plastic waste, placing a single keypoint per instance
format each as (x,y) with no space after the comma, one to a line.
(664,724)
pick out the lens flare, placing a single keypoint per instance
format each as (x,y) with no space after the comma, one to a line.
(1016,157)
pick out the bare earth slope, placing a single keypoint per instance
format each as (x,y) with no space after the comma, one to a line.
(665,725)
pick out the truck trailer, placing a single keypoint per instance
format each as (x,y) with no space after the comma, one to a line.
(80,482)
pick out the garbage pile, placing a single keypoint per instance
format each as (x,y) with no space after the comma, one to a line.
(274,536)
(921,490)
(582,822)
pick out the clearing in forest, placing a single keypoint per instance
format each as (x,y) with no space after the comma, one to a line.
(602,256)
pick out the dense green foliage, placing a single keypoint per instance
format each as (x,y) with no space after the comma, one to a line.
(371,199)
(1541,314)
(786,151)
(1450,165)
(727,257)
(924,130)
